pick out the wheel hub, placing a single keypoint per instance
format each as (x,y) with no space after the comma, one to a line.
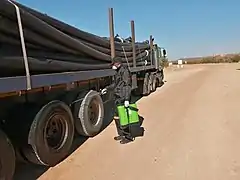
(55,131)
(93,111)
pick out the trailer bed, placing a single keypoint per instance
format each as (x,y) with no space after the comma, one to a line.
(19,83)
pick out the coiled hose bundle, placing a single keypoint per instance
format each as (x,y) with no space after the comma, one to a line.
(54,46)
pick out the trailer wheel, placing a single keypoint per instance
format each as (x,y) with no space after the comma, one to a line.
(154,83)
(7,158)
(161,77)
(146,85)
(139,90)
(149,84)
(51,134)
(89,114)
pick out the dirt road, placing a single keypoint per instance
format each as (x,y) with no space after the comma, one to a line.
(192,131)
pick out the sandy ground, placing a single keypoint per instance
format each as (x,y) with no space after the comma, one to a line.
(192,130)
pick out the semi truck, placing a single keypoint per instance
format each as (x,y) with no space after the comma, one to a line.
(42,111)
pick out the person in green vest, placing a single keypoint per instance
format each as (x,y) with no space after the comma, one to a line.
(122,87)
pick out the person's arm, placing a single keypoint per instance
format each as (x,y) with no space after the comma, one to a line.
(108,88)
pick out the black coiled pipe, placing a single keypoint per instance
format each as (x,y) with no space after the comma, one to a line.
(54,46)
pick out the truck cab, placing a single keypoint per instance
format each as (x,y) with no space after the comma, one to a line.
(160,57)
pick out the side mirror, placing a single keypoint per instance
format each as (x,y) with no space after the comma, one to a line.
(164,52)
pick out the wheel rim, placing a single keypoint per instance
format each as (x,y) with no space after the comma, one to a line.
(154,85)
(149,85)
(94,111)
(55,132)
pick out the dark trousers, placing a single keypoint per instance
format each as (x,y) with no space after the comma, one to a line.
(121,131)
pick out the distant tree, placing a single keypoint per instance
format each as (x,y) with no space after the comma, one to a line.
(235,58)
(216,59)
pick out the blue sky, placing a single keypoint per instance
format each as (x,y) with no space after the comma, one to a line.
(185,28)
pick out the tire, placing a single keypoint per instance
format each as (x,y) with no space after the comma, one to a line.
(89,114)
(146,85)
(139,90)
(161,77)
(7,158)
(20,157)
(150,82)
(149,86)
(52,118)
(154,83)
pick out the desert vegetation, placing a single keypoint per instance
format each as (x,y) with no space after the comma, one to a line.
(232,58)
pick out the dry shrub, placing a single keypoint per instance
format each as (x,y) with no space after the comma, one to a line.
(217,59)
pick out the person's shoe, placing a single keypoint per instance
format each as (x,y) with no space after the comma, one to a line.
(130,138)
(125,141)
(118,138)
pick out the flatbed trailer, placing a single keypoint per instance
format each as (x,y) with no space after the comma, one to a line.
(38,122)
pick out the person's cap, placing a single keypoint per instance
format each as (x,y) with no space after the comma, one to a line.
(116,60)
